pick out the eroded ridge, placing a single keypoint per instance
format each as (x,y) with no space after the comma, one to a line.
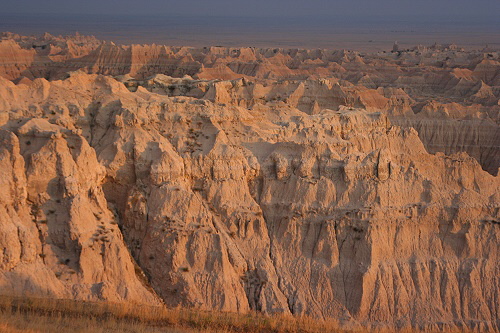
(193,191)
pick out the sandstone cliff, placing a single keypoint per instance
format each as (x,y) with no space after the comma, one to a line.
(279,180)
(266,206)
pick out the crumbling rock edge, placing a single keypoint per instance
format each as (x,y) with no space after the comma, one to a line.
(332,213)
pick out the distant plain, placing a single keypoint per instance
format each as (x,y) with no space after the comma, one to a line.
(362,34)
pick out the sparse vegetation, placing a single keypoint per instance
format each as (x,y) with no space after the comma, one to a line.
(58,315)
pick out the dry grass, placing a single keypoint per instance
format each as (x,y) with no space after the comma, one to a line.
(53,315)
(56,315)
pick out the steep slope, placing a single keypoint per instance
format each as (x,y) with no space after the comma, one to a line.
(334,214)
(59,237)
(480,138)
(14,60)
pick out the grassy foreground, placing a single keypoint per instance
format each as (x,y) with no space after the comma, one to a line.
(56,315)
(40,315)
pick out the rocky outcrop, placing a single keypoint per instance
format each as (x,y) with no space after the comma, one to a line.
(275,207)
(58,235)
(14,60)
(41,57)
(480,138)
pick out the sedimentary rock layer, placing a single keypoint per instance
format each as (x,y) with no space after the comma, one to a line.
(332,213)
(422,87)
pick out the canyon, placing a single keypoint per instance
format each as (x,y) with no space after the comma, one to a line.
(361,187)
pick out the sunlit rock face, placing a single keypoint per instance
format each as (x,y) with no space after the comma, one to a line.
(334,184)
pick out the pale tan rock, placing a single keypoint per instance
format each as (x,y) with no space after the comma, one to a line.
(294,196)
(59,237)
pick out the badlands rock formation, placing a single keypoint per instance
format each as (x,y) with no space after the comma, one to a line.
(451,96)
(282,181)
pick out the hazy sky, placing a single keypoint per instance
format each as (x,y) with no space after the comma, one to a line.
(325,8)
